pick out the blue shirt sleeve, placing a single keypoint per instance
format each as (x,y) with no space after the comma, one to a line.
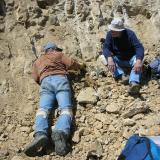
(139,49)
(107,46)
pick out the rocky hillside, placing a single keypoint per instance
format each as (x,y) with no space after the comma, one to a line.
(105,115)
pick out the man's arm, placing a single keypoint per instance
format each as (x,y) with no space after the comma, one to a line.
(107,52)
(139,50)
(138,47)
(71,64)
(107,46)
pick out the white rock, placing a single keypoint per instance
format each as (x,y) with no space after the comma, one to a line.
(113,108)
(129,122)
(77,135)
(87,95)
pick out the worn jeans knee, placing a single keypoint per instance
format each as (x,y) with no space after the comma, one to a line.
(41,122)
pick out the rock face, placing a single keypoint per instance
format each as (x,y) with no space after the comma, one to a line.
(105,115)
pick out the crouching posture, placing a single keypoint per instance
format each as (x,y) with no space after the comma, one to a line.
(50,71)
(122,49)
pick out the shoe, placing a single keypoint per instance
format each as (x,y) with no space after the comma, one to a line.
(122,79)
(39,142)
(134,88)
(118,78)
(59,139)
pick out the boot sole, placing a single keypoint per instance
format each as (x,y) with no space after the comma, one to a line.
(134,89)
(32,149)
(60,143)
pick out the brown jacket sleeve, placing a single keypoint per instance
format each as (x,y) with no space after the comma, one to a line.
(35,74)
(70,63)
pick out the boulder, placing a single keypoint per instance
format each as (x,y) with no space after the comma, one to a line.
(113,108)
(87,96)
(136,110)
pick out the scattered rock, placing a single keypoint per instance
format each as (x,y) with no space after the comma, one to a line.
(42,3)
(77,135)
(113,108)
(136,110)
(87,95)
(69,6)
(95,151)
(138,117)
(53,20)
(82,10)
(129,122)
(4,87)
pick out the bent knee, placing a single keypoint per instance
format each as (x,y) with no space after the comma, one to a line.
(43,112)
(66,111)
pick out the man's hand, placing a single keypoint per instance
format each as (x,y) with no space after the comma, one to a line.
(138,66)
(111,64)
(82,66)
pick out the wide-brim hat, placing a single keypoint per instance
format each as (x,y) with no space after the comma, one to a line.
(117,24)
(51,45)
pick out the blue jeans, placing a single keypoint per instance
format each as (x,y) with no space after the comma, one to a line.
(54,87)
(134,77)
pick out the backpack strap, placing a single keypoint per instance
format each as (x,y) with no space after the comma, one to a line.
(147,141)
(155,65)
(136,148)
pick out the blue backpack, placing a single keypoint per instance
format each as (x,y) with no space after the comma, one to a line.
(155,66)
(140,148)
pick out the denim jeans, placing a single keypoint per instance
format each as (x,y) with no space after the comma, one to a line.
(54,88)
(134,77)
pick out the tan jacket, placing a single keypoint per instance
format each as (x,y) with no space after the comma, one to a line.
(53,63)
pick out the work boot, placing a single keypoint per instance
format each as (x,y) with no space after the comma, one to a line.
(39,142)
(118,78)
(123,79)
(59,139)
(134,88)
